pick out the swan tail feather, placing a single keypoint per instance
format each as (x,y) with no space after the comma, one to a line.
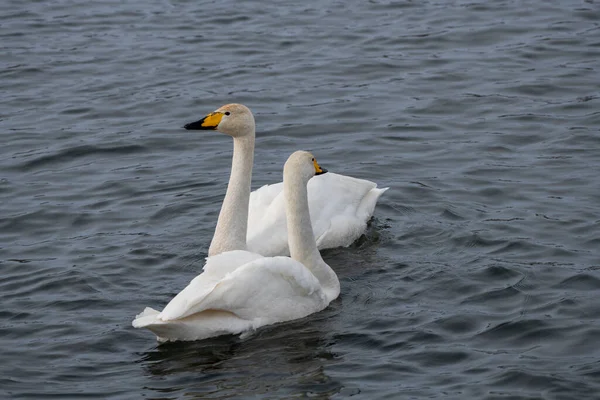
(367,204)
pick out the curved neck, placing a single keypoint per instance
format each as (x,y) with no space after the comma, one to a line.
(301,239)
(230,233)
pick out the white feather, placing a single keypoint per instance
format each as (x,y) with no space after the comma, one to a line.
(340,207)
(239,290)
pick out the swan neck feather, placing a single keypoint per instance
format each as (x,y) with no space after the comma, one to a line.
(230,233)
(301,238)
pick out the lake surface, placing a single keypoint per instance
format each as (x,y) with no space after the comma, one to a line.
(479,277)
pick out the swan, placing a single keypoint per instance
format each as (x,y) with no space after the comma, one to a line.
(239,290)
(340,206)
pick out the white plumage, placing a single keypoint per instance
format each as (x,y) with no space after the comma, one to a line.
(340,206)
(239,290)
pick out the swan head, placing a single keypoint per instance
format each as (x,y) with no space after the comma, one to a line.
(302,164)
(235,120)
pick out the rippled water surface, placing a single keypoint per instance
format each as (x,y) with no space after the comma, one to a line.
(479,277)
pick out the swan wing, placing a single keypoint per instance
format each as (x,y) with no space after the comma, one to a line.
(261,199)
(342,221)
(222,264)
(340,207)
(264,290)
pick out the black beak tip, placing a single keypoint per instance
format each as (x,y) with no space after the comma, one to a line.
(323,171)
(197,126)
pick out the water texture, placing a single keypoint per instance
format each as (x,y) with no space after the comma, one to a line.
(479,277)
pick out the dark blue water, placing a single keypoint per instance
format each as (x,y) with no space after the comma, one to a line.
(479,277)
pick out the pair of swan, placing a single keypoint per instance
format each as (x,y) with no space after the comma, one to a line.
(244,285)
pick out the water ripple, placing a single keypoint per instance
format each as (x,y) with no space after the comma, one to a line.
(478,277)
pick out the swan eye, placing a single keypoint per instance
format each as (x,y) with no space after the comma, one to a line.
(312,159)
(227,113)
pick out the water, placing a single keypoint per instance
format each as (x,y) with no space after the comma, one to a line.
(479,277)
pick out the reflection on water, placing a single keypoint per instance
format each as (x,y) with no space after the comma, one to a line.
(287,358)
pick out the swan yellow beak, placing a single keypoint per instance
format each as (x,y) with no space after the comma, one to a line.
(210,122)
(318,169)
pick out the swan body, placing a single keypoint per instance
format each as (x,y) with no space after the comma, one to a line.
(236,295)
(240,290)
(340,206)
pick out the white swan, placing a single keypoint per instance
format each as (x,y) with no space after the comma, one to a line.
(239,290)
(340,206)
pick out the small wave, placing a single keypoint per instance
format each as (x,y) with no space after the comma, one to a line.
(77,152)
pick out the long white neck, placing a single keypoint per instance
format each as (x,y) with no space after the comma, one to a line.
(230,233)
(301,239)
